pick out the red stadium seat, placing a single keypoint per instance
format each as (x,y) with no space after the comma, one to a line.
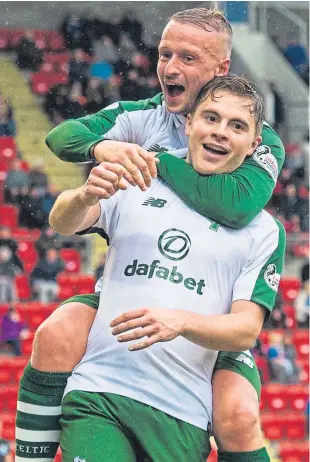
(291,451)
(40,39)
(289,311)
(17,366)
(274,426)
(85,284)
(28,255)
(72,260)
(40,83)
(26,234)
(4,39)
(26,345)
(7,147)
(23,287)
(275,397)
(67,286)
(296,426)
(10,398)
(289,288)
(15,37)
(54,40)
(300,339)
(5,164)
(5,371)
(8,426)
(262,365)
(8,216)
(297,396)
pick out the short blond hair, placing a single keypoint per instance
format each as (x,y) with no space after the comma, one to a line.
(208,19)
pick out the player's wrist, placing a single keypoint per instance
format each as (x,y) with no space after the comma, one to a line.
(96,155)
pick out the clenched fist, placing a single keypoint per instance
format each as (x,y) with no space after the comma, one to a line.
(103,182)
(139,164)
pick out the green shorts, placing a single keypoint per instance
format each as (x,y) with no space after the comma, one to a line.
(241,363)
(105,427)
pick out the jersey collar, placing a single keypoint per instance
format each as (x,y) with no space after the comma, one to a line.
(178,119)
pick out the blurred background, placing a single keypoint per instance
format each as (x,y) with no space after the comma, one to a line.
(66,59)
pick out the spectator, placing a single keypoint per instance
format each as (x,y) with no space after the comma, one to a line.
(76,33)
(290,202)
(31,214)
(78,68)
(7,123)
(125,50)
(38,178)
(55,101)
(130,88)
(296,54)
(13,330)
(302,302)
(133,27)
(290,355)
(49,199)
(279,108)
(105,50)
(16,182)
(7,275)
(95,96)
(49,239)
(100,268)
(43,277)
(74,108)
(295,160)
(150,88)
(281,368)
(140,62)
(28,55)
(6,240)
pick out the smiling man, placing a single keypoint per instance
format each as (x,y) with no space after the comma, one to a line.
(179,300)
(194,48)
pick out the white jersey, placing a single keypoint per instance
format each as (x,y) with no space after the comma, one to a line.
(164,254)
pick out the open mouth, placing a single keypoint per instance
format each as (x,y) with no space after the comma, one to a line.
(174,89)
(213,149)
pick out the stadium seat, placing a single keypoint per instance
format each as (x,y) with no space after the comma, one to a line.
(297,396)
(289,311)
(40,83)
(275,396)
(67,285)
(9,398)
(5,164)
(7,147)
(40,39)
(28,255)
(273,426)
(15,37)
(295,426)
(26,234)
(300,339)
(8,215)
(5,371)
(22,287)
(17,366)
(262,365)
(291,451)
(289,289)
(4,39)
(26,345)
(54,40)
(8,426)
(4,308)
(72,260)
(85,284)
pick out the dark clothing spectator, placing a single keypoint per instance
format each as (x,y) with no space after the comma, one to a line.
(16,182)
(290,202)
(43,277)
(28,55)
(133,27)
(279,108)
(6,240)
(78,69)
(31,214)
(76,33)
(48,200)
(49,239)
(38,178)
(73,109)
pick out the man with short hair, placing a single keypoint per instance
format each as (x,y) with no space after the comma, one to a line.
(155,404)
(195,47)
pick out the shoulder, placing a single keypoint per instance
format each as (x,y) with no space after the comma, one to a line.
(271,152)
(266,228)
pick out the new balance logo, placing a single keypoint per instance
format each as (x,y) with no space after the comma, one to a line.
(157,148)
(155,202)
(246,360)
(78,459)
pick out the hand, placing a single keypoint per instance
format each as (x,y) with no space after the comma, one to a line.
(102,183)
(156,324)
(139,165)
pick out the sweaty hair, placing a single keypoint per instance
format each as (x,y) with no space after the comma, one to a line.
(237,85)
(207,19)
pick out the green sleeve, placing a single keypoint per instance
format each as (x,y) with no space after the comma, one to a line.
(230,199)
(73,138)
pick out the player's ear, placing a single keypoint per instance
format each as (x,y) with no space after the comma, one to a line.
(188,124)
(222,68)
(254,145)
